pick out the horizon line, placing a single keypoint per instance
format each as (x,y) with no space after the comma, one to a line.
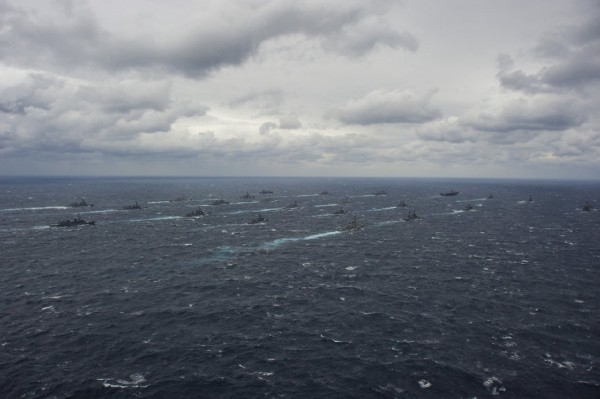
(59,176)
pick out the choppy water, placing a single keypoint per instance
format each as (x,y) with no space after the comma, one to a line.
(502,300)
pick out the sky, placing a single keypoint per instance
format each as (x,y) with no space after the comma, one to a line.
(398,88)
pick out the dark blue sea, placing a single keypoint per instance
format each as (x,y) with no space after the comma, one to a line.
(499,301)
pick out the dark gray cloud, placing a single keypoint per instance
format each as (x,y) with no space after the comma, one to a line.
(290,121)
(77,39)
(589,31)
(381,107)
(533,116)
(577,71)
(517,79)
(266,127)
(31,38)
(558,81)
(13,107)
(35,92)
(571,55)
(265,99)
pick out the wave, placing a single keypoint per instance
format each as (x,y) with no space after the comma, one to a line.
(102,211)
(269,209)
(150,219)
(388,222)
(254,211)
(225,252)
(326,205)
(454,212)
(135,381)
(335,341)
(39,227)
(280,241)
(38,208)
(381,209)
(219,254)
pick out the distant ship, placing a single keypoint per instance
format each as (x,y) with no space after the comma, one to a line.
(196,213)
(80,204)
(450,193)
(401,204)
(346,201)
(78,221)
(411,216)
(468,207)
(258,220)
(340,211)
(352,226)
(131,207)
(324,193)
(491,196)
(247,196)
(382,192)
(587,207)
(266,192)
(220,201)
(530,199)
(292,205)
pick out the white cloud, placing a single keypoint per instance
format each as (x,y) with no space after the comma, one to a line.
(382,106)
(447,130)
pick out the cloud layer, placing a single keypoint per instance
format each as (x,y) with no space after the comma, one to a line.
(299,87)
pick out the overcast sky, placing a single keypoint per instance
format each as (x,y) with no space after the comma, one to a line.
(457,88)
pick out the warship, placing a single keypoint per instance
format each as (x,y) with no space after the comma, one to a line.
(411,216)
(131,207)
(220,201)
(258,220)
(80,204)
(77,221)
(352,226)
(450,193)
(340,211)
(196,213)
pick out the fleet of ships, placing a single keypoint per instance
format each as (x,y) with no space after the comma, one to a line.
(199,212)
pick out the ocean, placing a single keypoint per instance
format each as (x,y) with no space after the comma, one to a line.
(498,301)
